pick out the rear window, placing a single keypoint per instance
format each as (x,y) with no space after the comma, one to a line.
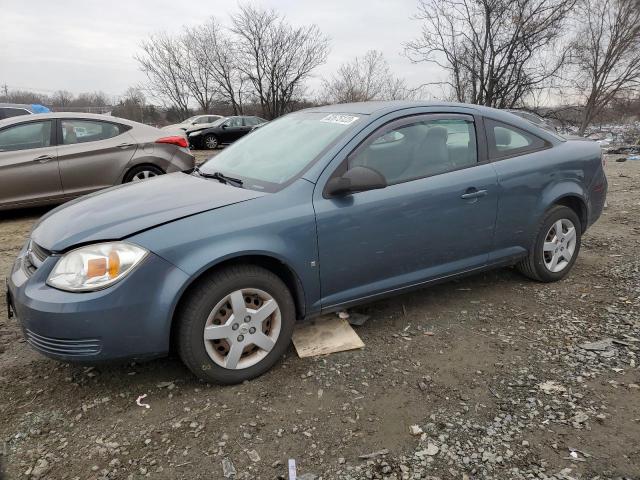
(83,131)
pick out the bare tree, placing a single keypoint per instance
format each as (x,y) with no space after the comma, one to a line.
(495,52)
(606,54)
(62,98)
(162,64)
(214,46)
(365,78)
(275,57)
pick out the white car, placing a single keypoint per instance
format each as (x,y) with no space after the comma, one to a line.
(195,121)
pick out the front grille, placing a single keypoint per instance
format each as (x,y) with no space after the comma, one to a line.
(61,346)
(35,256)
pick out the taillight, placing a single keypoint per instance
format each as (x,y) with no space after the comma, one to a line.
(174,140)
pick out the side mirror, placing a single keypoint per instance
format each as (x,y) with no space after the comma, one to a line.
(224,126)
(356,179)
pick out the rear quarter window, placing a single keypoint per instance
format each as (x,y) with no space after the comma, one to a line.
(506,141)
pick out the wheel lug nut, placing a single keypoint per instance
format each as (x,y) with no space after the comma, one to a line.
(235,326)
(252,330)
(240,338)
(247,319)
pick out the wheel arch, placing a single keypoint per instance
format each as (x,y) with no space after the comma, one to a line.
(266,261)
(578,205)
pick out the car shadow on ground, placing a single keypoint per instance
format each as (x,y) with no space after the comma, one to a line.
(437,306)
(25,213)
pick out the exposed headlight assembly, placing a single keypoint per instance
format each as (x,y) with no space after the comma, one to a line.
(195,134)
(95,267)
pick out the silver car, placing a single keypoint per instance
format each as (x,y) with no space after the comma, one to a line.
(53,157)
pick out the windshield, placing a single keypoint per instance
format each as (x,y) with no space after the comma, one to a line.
(271,156)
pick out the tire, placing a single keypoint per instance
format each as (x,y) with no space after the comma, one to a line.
(210,142)
(142,172)
(211,306)
(539,263)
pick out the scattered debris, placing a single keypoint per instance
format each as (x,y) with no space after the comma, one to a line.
(140,403)
(431,450)
(325,335)
(358,319)
(379,453)
(550,387)
(415,430)
(253,456)
(292,469)
(600,345)
(228,470)
(167,385)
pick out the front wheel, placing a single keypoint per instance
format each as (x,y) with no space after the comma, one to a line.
(556,246)
(210,142)
(235,324)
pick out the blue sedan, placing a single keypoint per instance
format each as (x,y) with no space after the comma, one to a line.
(318,211)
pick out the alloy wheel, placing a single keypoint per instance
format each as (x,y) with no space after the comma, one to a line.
(211,142)
(559,245)
(143,175)
(242,328)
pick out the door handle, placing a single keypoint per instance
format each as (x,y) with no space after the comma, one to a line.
(473,193)
(125,145)
(43,158)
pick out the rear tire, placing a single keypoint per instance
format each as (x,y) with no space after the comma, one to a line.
(216,325)
(142,172)
(556,246)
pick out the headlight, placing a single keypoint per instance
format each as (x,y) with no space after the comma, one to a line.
(95,266)
(195,134)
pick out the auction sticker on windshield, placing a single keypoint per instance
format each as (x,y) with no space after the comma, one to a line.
(339,118)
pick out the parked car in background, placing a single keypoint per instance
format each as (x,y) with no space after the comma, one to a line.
(223,132)
(319,210)
(8,110)
(53,157)
(535,119)
(195,121)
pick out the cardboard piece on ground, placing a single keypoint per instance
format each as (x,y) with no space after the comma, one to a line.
(325,335)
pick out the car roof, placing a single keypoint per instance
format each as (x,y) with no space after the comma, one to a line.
(77,115)
(380,108)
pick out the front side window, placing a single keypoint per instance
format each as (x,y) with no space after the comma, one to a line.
(25,136)
(250,121)
(507,141)
(234,122)
(281,150)
(82,131)
(420,149)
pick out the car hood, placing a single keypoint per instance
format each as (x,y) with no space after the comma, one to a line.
(124,210)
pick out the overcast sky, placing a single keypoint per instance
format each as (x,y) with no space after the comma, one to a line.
(84,46)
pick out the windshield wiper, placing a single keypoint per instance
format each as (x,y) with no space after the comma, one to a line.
(219,176)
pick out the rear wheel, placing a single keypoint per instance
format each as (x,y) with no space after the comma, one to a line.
(142,172)
(235,324)
(556,246)
(211,142)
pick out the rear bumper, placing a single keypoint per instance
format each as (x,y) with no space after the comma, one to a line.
(597,197)
(131,319)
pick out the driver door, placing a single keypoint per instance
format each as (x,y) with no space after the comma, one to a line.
(233,130)
(435,218)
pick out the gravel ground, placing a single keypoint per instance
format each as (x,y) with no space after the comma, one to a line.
(491,376)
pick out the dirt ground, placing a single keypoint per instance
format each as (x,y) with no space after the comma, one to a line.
(490,370)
